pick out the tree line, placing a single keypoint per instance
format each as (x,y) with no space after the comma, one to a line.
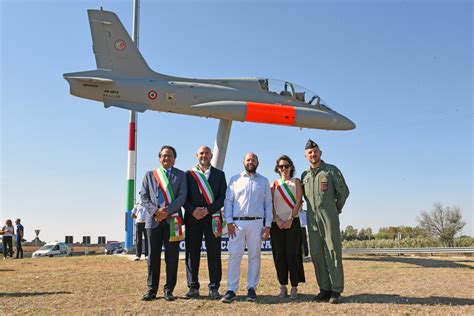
(442,225)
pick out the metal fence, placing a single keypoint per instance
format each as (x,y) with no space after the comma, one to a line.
(400,251)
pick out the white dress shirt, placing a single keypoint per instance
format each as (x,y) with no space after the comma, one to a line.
(206,173)
(140,212)
(248,196)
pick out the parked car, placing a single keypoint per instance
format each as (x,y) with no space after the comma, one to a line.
(114,248)
(53,249)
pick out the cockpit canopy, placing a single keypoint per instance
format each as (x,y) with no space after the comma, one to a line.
(294,92)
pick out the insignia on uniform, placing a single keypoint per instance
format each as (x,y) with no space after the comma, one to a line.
(324,183)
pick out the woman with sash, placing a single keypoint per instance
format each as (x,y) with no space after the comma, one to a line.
(286,230)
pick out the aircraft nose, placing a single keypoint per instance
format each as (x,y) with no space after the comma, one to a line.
(343,123)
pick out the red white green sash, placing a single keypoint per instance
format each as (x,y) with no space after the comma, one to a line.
(285,192)
(164,185)
(176,223)
(217,224)
(176,228)
(203,184)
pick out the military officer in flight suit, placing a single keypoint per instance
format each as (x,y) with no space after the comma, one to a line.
(325,192)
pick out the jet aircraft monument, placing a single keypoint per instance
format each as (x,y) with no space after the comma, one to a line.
(124,80)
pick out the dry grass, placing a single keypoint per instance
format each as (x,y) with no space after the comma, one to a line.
(114,285)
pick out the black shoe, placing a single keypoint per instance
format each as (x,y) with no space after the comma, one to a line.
(228,297)
(149,296)
(169,296)
(251,295)
(323,296)
(214,294)
(335,298)
(192,293)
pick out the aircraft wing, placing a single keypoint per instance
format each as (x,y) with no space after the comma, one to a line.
(137,107)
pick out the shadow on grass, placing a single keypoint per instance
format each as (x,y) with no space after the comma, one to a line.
(397,299)
(422,262)
(274,299)
(25,294)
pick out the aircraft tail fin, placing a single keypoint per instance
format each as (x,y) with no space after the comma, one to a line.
(113,48)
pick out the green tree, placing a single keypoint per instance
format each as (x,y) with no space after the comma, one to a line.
(350,233)
(406,231)
(387,232)
(365,234)
(442,223)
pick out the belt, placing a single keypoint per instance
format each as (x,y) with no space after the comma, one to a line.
(246,218)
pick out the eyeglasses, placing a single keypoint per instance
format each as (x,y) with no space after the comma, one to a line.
(283,166)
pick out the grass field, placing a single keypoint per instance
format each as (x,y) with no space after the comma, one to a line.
(114,285)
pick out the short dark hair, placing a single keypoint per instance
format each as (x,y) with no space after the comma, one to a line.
(285,157)
(168,147)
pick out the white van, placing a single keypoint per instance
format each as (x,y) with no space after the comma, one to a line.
(53,249)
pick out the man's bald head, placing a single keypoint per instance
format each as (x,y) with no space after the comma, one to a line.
(251,154)
(204,148)
(251,162)
(204,156)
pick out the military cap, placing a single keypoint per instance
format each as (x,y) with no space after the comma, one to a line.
(310,144)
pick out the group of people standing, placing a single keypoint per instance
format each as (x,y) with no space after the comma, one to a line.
(8,232)
(254,210)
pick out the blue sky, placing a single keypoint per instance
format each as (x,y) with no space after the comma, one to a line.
(401,70)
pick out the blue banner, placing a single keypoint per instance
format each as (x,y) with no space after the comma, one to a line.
(266,245)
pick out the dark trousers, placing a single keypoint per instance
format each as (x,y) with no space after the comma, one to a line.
(287,253)
(194,234)
(7,246)
(19,249)
(157,237)
(304,237)
(140,232)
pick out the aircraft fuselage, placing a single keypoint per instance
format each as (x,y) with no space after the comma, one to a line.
(230,99)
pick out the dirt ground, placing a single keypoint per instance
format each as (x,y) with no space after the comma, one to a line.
(114,285)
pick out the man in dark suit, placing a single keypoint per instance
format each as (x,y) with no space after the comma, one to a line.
(163,194)
(206,194)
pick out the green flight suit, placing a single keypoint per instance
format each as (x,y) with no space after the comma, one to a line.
(325,192)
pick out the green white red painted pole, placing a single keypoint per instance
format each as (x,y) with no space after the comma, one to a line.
(132,149)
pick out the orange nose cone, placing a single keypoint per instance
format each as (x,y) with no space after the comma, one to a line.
(270,113)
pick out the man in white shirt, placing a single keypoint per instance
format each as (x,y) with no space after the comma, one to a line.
(139,214)
(248,213)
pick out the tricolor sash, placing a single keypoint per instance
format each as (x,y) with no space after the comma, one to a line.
(218,221)
(176,228)
(286,193)
(217,224)
(164,185)
(203,184)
